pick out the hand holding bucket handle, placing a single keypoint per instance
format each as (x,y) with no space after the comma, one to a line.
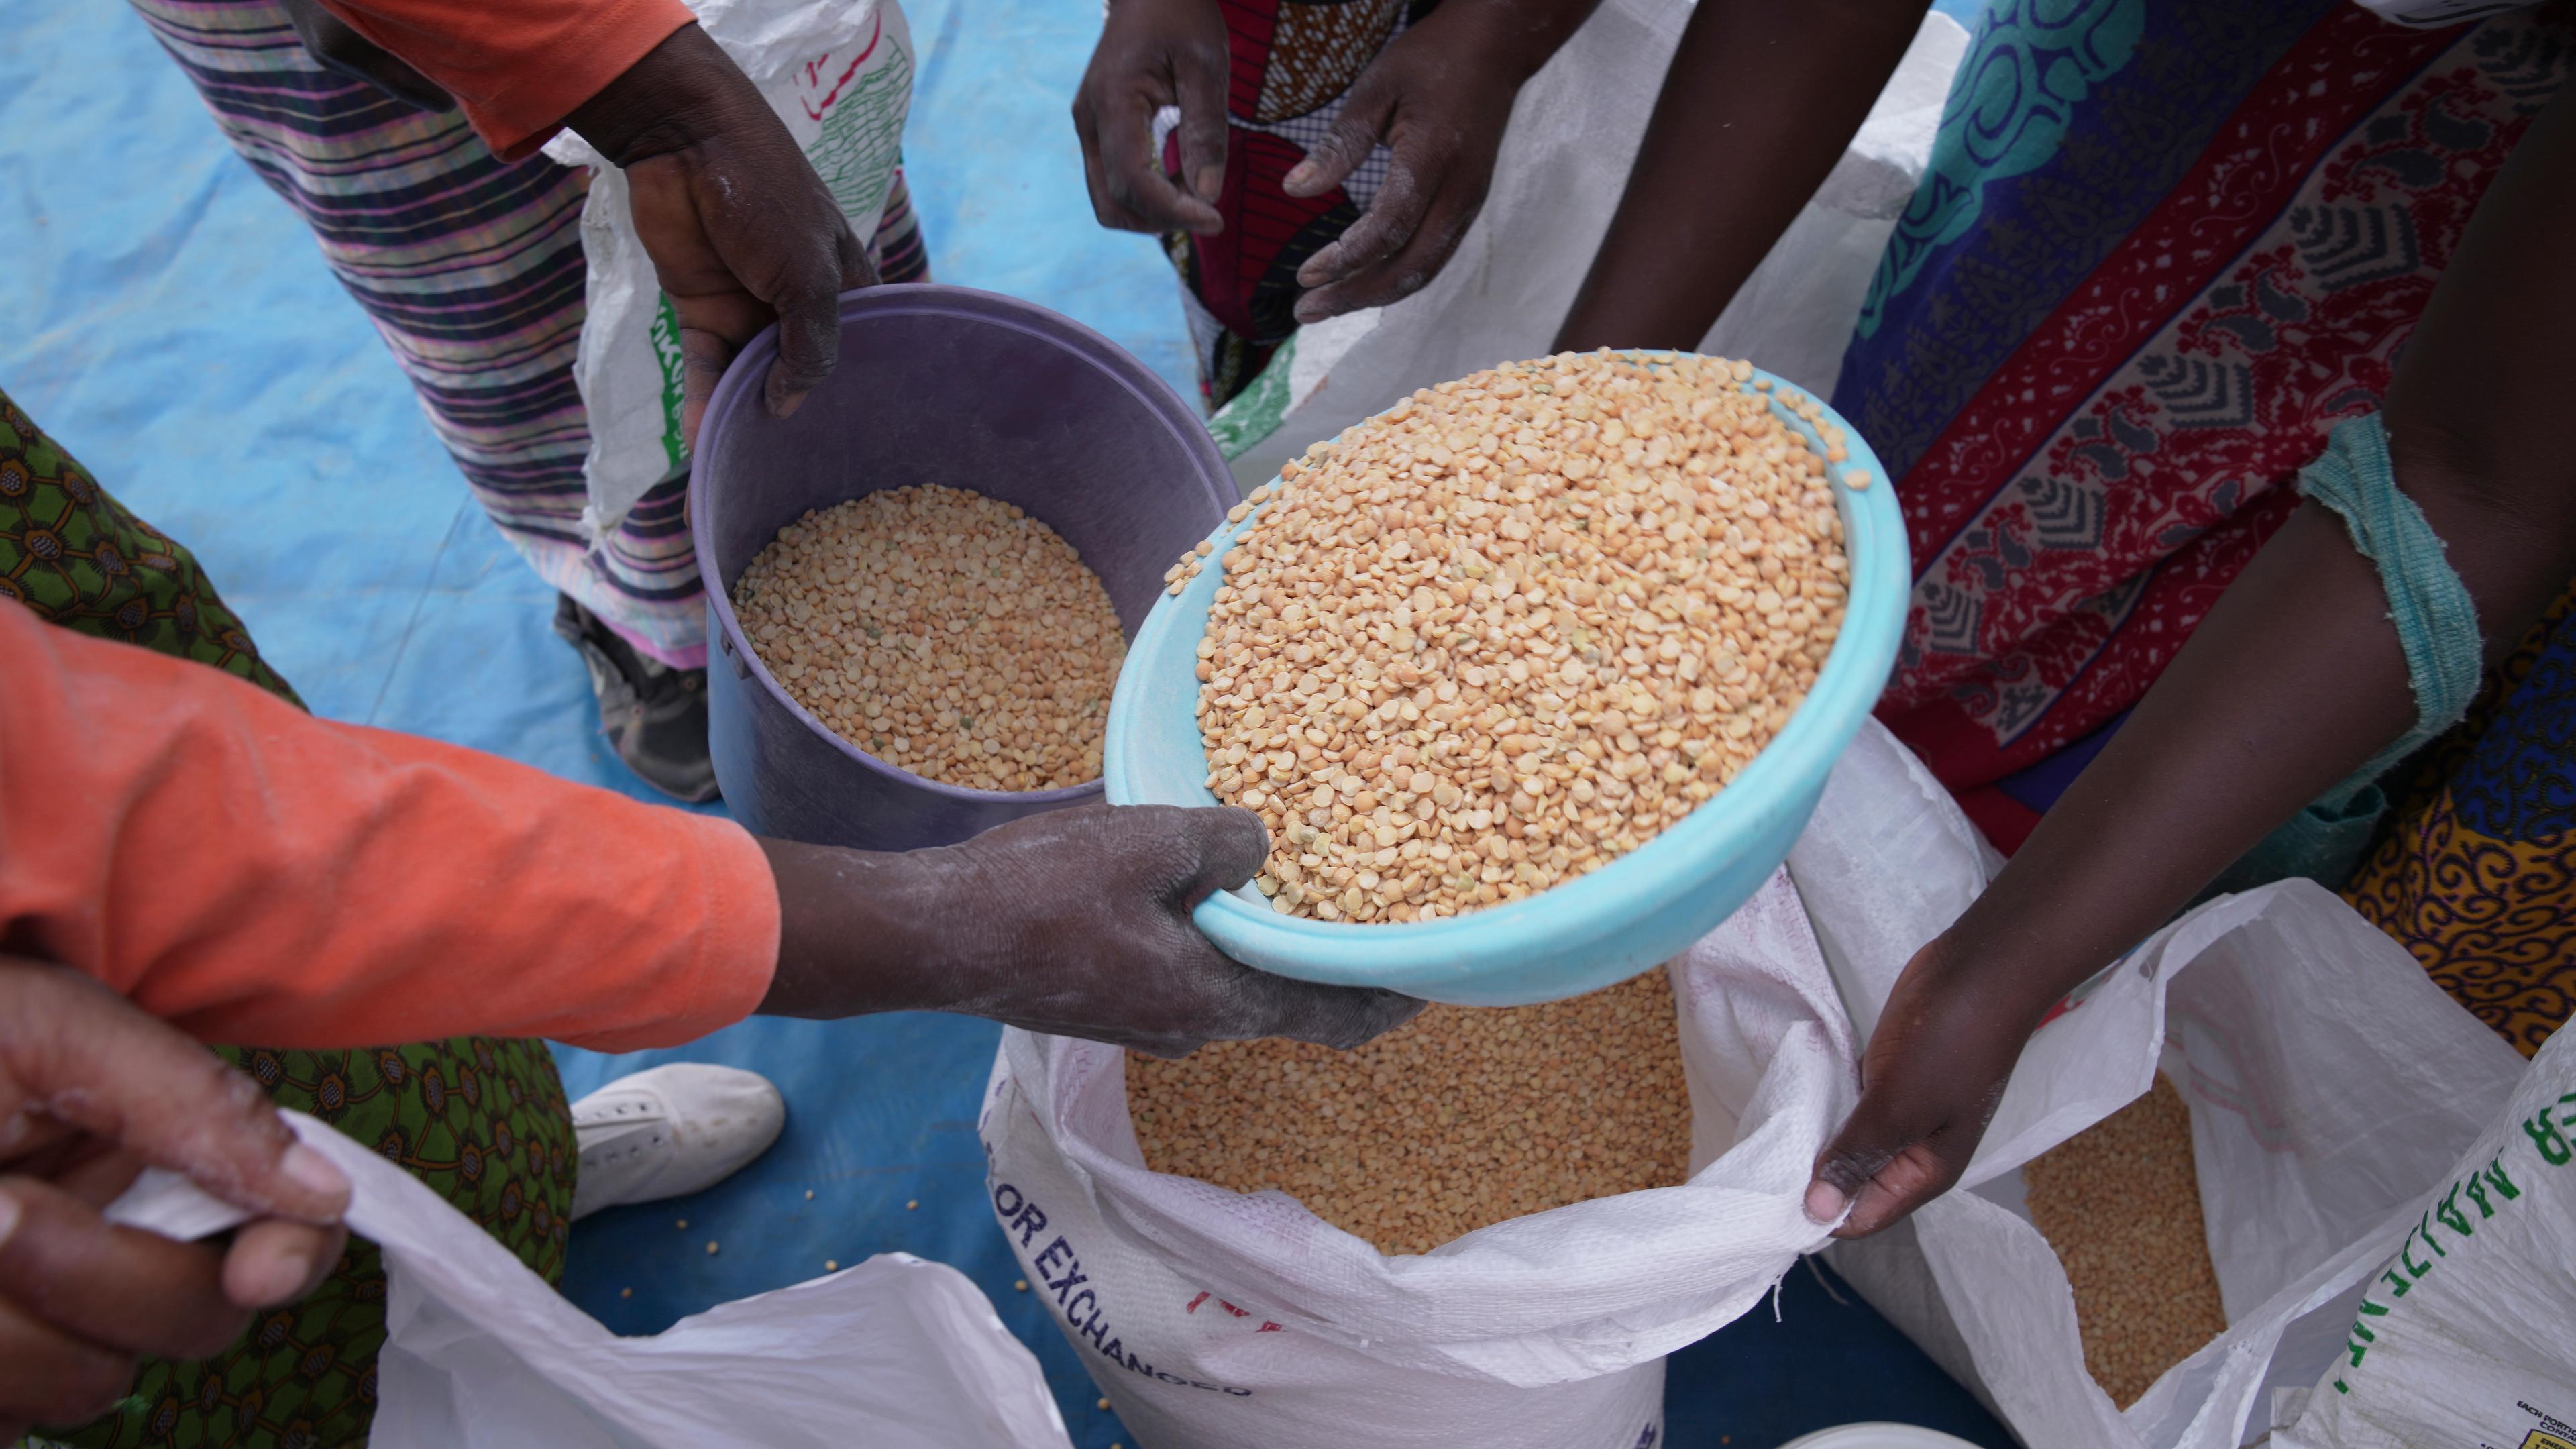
(741,230)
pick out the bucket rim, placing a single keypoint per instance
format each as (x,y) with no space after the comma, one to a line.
(741,387)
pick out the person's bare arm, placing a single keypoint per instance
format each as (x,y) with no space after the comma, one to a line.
(1760,103)
(2293,682)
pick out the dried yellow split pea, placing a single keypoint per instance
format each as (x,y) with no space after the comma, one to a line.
(942,631)
(2120,1204)
(1459,1119)
(1514,627)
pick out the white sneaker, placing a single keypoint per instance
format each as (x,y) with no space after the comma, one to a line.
(669,1132)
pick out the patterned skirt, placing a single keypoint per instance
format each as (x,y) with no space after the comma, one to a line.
(483,1122)
(2161,249)
(471,269)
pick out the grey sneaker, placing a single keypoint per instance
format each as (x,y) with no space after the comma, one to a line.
(655,715)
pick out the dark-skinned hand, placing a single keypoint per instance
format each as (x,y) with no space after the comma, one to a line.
(1152,54)
(91,1092)
(1075,922)
(1931,1078)
(1438,98)
(741,230)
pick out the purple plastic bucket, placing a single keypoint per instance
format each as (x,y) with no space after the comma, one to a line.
(941,385)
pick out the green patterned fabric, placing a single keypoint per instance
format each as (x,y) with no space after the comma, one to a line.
(76,557)
(482,1121)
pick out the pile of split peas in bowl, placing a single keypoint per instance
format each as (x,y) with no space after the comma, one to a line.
(1514,627)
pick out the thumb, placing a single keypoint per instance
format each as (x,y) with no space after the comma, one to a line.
(72,1050)
(1224,847)
(1882,1165)
(1348,142)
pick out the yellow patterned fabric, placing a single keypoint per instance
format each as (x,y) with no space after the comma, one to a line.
(2476,872)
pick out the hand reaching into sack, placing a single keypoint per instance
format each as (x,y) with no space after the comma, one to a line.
(1931,1078)
(2294,682)
(1075,922)
(92,1090)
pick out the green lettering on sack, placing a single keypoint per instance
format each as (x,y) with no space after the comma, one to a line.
(2503,1184)
(2450,1214)
(861,139)
(2406,1258)
(666,352)
(2544,1134)
(2424,1230)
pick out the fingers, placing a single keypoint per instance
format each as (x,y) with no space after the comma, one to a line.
(60,1262)
(273,1261)
(48,1376)
(74,1051)
(1095,173)
(1883,1165)
(809,342)
(1340,1017)
(703,358)
(1201,81)
(1140,197)
(1390,253)
(856,270)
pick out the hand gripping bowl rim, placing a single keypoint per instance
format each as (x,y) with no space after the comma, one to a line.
(1438,958)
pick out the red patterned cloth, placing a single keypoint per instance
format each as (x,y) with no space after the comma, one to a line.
(1291,64)
(2126,434)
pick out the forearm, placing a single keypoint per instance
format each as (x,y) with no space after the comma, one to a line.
(2296,678)
(860,931)
(1760,103)
(1516,35)
(251,873)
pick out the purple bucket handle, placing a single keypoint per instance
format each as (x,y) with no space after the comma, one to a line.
(957,387)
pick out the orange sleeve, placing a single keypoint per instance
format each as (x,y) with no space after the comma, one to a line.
(256,875)
(518,67)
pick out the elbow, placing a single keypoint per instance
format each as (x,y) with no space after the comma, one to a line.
(2521,481)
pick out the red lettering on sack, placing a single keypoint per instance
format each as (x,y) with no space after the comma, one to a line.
(814,72)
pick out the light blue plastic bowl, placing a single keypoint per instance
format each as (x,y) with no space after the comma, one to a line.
(1595,930)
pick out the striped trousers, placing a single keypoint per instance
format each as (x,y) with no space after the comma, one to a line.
(471,269)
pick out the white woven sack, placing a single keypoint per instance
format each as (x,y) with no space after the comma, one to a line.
(2330,1083)
(481,1353)
(1218,1319)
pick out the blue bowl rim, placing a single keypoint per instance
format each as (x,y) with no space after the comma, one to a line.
(742,386)
(1431,954)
